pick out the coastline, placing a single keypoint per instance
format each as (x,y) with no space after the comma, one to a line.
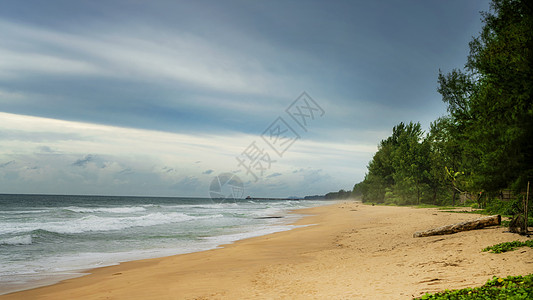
(276,219)
(350,251)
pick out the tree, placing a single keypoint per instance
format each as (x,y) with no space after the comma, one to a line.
(358,190)
(490,102)
(439,156)
(485,144)
(409,160)
(456,88)
(341,194)
(380,172)
(399,168)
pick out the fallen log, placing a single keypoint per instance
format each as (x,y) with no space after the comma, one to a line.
(463,226)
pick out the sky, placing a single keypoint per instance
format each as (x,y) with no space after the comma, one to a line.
(159,98)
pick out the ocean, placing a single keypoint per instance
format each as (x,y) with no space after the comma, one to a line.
(46,238)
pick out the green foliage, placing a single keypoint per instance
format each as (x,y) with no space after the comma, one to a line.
(342,194)
(508,246)
(399,171)
(485,144)
(506,208)
(456,88)
(358,190)
(512,287)
(490,102)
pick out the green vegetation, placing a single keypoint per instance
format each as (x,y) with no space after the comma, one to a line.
(484,145)
(342,194)
(512,287)
(508,246)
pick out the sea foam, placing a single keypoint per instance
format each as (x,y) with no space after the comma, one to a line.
(116,210)
(93,223)
(17,240)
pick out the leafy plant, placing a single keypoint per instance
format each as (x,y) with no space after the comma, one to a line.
(508,246)
(512,287)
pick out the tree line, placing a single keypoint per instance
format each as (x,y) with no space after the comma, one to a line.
(484,144)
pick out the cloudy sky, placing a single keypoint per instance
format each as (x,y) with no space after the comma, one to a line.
(159,97)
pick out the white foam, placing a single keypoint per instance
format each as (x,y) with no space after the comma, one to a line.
(17,240)
(17,212)
(234,221)
(116,210)
(268,212)
(94,223)
(228,205)
(230,238)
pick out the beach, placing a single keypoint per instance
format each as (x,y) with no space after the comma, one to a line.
(347,250)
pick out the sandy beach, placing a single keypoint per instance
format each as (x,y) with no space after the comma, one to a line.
(348,251)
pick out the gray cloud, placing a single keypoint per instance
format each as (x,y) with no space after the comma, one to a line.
(127,171)
(316,175)
(46,149)
(207,172)
(274,175)
(193,78)
(82,162)
(3,165)
(168,169)
(48,137)
(211,68)
(187,185)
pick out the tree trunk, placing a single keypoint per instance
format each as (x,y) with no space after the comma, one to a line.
(463,226)
(453,197)
(526,209)
(417,193)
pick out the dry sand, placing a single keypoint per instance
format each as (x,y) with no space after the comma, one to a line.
(353,251)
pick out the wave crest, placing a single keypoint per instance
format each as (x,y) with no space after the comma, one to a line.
(17,240)
(93,223)
(116,210)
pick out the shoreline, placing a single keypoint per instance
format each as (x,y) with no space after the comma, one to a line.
(352,251)
(286,220)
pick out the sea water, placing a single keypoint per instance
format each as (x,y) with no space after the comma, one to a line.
(47,236)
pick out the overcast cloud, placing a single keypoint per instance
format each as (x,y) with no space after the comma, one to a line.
(158,97)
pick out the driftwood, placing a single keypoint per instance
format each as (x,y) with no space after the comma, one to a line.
(463,226)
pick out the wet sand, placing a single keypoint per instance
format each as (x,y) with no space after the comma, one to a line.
(348,251)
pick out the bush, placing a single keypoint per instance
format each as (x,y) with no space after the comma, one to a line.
(508,208)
